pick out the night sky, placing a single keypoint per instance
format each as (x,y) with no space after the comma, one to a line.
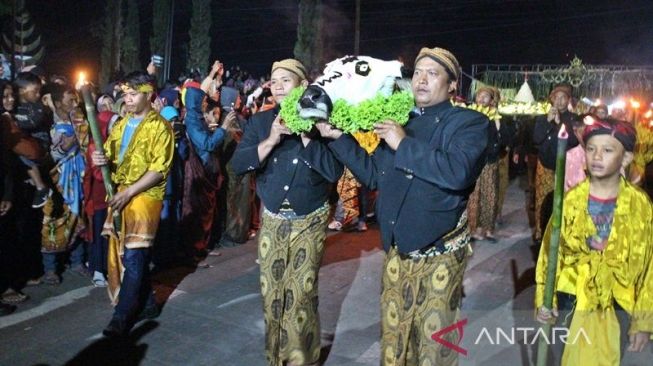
(253,34)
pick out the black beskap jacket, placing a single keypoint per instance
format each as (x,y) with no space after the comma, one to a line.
(301,174)
(424,185)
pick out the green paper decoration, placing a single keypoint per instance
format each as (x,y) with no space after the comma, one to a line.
(350,118)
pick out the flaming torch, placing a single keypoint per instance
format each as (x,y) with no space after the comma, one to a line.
(85,90)
(556,221)
(634,105)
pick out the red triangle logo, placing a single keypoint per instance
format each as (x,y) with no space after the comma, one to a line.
(437,336)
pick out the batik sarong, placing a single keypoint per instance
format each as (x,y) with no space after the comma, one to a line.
(543,187)
(504,181)
(290,252)
(419,297)
(348,192)
(483,202)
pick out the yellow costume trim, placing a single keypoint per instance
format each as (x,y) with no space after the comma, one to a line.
(623,271)
(150,149)
(143,88)
(643,149)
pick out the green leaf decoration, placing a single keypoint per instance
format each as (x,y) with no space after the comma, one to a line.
(290,115)
(350,118)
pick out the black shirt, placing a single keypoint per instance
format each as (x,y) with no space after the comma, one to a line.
(424,185)
(291,171)
(545,137)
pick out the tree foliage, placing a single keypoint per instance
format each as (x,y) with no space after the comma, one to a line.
(110,32)
(160,18)
(200,42)
(129,58)
(308,48)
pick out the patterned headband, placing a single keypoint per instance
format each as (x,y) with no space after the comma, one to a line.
(624,132)
(141,88)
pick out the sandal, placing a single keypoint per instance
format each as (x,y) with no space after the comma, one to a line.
(490,238)
(335,225)
(12,296)
(100,282)
(34,281)
(82,270)
(51,278)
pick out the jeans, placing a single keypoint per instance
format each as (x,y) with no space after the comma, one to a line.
(136,289)
(76,257)
(99,248)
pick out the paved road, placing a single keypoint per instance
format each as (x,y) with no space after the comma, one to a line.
(212,316)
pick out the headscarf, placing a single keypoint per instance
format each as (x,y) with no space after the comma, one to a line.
(494,93)
(444,58)
(291,65)
(560,88)
(623,131)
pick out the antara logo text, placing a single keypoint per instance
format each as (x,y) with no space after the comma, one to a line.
(509,336)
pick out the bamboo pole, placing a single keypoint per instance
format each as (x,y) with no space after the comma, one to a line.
(556,221)
(99,144)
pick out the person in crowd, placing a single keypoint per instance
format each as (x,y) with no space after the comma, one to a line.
(293,178)
(482,207)
(31,117)
(95,206)
(604,277)
(601,111)
(575,160)
(63,213)
(545,137)
(202,174)
(139,152)
(104,103)
(424,173)
(11,295)
(22,243)
(168,240)
(235,196)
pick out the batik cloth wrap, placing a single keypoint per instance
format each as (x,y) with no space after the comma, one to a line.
(290,250)
(504,180)
(483,203)
(61,213)
(420,296)
(347,188)
(543,187)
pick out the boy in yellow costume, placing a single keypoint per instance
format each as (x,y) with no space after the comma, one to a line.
(139,152)
(604,273)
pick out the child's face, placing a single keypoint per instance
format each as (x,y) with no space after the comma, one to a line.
(31,93)
(8,99)
(605,156)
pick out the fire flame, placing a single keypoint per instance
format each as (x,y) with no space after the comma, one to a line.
(562,134)
(634,104)
(81,81)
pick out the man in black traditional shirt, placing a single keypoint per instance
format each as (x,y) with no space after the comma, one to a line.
(424,173)
(293,176)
